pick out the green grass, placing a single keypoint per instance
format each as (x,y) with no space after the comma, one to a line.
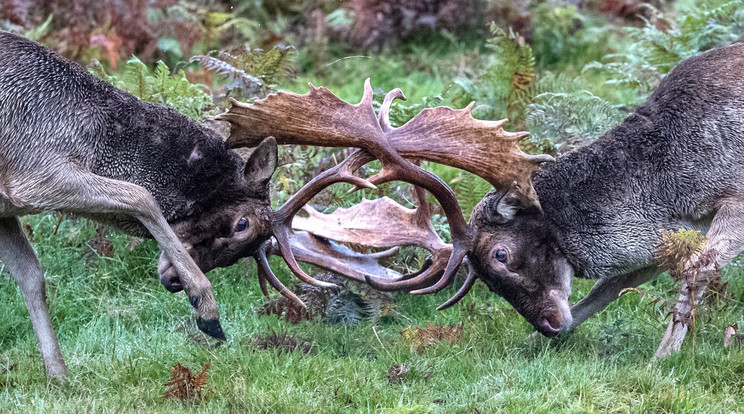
(120,332)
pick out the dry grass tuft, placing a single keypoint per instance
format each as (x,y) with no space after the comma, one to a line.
(283,342)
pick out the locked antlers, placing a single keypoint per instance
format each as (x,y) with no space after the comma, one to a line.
(443,135)
(360,225)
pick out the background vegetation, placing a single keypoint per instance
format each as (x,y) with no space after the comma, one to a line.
(565,72)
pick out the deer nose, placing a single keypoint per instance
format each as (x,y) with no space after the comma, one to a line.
(551,325)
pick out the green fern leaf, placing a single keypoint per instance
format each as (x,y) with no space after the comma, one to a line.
(251,72)
(158,86)
(561,122)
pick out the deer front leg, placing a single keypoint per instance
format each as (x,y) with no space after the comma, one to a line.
(19,258)
(607,290)
(81,192)
(725,241)
(689,296)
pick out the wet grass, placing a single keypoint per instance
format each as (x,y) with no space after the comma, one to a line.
(120,332)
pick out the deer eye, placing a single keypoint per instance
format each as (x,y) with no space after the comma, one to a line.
(500,255)
(242,225)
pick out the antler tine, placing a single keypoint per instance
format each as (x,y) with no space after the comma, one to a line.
(395,167)
(342,172)
(464,289)
(423,209)
(282,218)
(442,135)
(383,117)
(265,274)
(282,237)
(337,258)
(413,285)
(360,224)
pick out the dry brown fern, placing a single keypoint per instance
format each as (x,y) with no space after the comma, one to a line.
(286,309)
(422,338)
(676,250)
(282,342)
(396,373)
(184,385)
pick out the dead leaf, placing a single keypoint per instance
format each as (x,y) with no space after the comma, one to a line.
(421,339)
(730,332)
(29,231)
(396,373)
(184,385)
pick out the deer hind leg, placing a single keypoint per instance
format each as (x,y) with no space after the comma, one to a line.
(725,241)
(82,192)
(19,258)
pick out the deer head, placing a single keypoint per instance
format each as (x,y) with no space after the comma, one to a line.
(442,135)
(233,225)
(516,254)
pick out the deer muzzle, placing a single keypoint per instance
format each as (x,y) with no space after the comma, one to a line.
(557,317)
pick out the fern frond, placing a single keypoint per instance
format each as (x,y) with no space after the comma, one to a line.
(706,26)
(508,83)
(184,384)
(252,72)
(343,309)
(214,64)
(158,86)
(134,78)
(623,72)
(470,190)
(40,31)
(561,122)
(274,64)
(96,68)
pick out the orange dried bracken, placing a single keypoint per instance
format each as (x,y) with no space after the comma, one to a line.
(184,385)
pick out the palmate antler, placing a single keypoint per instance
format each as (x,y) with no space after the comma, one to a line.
(360,225)
(442,135)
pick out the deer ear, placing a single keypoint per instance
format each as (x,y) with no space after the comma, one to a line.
(260,166)
(503,208)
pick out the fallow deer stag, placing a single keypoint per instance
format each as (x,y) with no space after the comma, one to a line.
(72,143)
(674,163)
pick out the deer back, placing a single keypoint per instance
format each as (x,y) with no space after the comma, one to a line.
(667,165)
(53,113)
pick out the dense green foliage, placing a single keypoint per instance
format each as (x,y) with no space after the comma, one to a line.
(158,86)
(251,73)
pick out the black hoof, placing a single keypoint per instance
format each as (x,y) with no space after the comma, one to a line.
(172,283)
(173,287)
(212,328)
